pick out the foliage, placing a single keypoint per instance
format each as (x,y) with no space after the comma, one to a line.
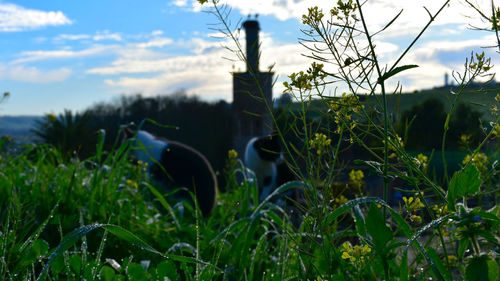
(422,126)
(425,125)
(184,119)
(69,133)
(344,60)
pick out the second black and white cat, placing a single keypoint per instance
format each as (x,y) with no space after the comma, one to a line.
(264,157)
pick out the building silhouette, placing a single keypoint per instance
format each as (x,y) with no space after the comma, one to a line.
(252,89)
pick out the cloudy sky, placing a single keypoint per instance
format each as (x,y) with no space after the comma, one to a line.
(57,54)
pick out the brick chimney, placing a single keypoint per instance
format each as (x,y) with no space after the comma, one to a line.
(250,115)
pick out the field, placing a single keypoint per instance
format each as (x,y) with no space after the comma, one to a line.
(104,219)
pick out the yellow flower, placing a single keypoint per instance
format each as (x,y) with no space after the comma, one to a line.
(132,183)
(413,204)
(356,253)
(480,160)
(496,130)
(345,255)
(314,16)
(464,138)
(340,200)
(440,210)
(356,176)
(143,165)
(320,142)
(422,160)
(452,259)
(394,143)
(415,218)
(232,154)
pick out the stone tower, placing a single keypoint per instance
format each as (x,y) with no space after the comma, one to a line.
(250,89)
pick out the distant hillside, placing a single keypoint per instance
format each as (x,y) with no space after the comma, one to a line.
(398,103)
(18,127)
(479,100)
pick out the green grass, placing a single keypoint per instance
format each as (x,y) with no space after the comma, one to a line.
(55,215)
(99,219)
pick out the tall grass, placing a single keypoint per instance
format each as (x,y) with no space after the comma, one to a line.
(102,218)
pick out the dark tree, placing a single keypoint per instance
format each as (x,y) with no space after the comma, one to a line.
(69,133)
(424,124)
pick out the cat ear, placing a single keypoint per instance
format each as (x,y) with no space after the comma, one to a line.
(126,133)
(129,132)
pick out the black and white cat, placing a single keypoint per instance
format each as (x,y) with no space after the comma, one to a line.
(181,166)
(264,157)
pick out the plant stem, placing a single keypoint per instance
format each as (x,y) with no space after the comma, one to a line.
(382,87)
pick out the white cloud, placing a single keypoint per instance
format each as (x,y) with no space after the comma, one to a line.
(72,37)
(31,56)
(128,50)
(106,35)
(157,42)
(435,58)
(204,72)
(377,13)
(17,18)
(180,3)
(157,32)
(33,74)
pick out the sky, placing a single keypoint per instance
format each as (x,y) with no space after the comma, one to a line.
(59,54)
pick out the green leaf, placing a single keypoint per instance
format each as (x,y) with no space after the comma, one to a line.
(75,262)
(350,204)
(58,265)
(403,267)
(360,221)
(165,205)
(379,231)
(166,270)
(462,247)
(464,182)
(128,236)
(375,167)
(481,268)
(280,190)
(439,264)
(136,272)
(395,71)
(75,235)
(37,250)
(100,144)
(107,273)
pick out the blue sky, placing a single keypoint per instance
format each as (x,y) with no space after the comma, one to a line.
(59,54)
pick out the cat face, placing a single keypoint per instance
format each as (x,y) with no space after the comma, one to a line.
(268,148)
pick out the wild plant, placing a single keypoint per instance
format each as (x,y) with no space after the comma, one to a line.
(434,232)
